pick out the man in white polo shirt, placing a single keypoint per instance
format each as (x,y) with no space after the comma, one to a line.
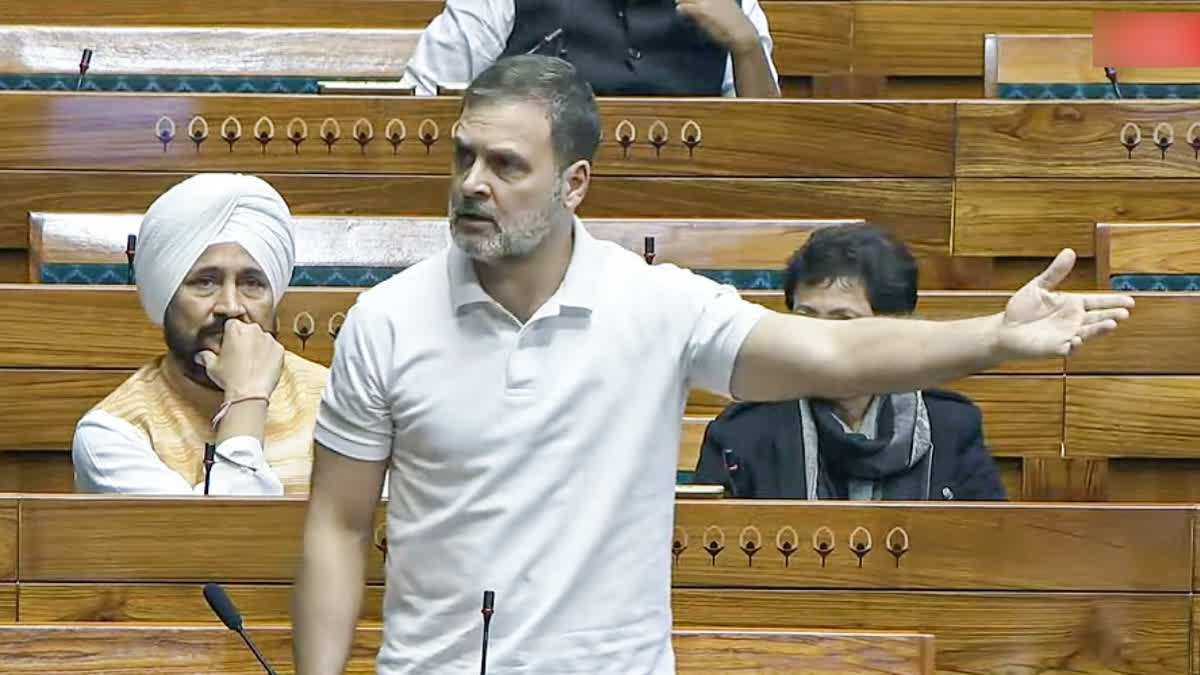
(525,387)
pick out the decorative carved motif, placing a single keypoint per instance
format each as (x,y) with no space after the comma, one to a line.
(363,132)
(429,133)
(331,132)
(164,131)
(680,544)
(626,136)
(335,324)
(823,542)
(231,131)
(658,137)
(396,132)
(1164,137)
(1131,137)
(297,132)
(690,135)
(264,132)
(787,542)
(303,327)
(897,543)
(197,130)
(750,542)
(860,543)
(714,542)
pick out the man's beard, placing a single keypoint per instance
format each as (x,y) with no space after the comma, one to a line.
(184,348)
(511,241)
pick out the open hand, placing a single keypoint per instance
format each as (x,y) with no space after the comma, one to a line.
(1042,322)
(723,21)
(249,364)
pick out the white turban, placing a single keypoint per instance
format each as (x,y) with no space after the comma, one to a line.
(207,209)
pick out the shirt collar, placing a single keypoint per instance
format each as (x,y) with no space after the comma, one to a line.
(578,289)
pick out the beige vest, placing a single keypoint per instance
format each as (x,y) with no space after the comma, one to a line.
(176,415)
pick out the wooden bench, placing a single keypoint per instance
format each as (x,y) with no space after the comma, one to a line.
(1020,58)
(1146,248)
(189,649)
(98,240)
(1092,588)
(208,51)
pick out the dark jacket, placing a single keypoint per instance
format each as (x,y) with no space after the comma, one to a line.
(768,460)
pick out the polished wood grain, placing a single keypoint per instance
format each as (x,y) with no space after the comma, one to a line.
(1133,479)
(1065,479)
(151,603)
(811,38)
(1158,338)
(1010,469)
(1040,217)
(968,547)
(916,210)
(148,540)
(737,137)
(8,602)
(1039,59)
(8,538)
(1022,416)
(311,14)
(341,241)
(184,649)
(1142,248)
(1153,416)
(691,440)
(918,37)
(1074,139)
(329,53)
(980,633)
(39,408)
(36,471)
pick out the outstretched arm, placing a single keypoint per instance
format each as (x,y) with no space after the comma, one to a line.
(787,357)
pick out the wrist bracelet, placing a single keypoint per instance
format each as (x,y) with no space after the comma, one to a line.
(228,404)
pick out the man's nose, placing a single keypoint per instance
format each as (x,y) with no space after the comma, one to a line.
(229,302)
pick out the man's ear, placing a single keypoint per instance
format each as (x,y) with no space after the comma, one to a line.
(576,178)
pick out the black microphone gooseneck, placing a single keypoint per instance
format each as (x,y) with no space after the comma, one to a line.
(210,458)
(225,610)
(85,62)
(1111,74)
(130,252)
(547,39)
(489,600)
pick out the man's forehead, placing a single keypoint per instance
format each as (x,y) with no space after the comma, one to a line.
(226,254)
(518,124)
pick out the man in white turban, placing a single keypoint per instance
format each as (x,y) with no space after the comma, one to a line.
(214,257)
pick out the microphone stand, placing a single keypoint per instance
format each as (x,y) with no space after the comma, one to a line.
(85,62)
(254,650)
(1111,74)
(130,251)
(489,599)
(210,457)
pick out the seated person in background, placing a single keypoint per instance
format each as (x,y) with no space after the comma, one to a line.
(214,257)
(660,47)
(913,445)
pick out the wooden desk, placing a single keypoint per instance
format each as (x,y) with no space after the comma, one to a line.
(186,650)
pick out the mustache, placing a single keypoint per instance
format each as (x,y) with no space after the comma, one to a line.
(468,209)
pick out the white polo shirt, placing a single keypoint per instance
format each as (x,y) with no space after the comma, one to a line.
(535,460)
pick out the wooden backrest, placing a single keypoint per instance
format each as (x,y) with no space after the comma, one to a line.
(210,51)
(57,239)
(1060,59)
(1146,248)
(189,649)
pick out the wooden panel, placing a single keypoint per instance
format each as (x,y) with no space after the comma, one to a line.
(915,37)
(240,52)
(917,210)
(1021,415)
(1152,416)
(1064,479)
(1153,480)
(89,539)
(1011,469)
(993,633)
(947,306)
(1040,59)
(318,14)
(811,38)
(337,241)
(39,408)
(36,471)
(1038,218)
(1074,139)
(8,538)
(186,650)
(965,547)
(736,137)
(156,603)
(1159,337)
(1151,249)
(849,654)
(8,602)
(691,440)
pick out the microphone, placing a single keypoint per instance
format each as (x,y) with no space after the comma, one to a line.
(85,62)
(130,250)
(489,599)
(1111,74)
(225,610)
(210,458)
(731,467)
(546,40)
(648,250)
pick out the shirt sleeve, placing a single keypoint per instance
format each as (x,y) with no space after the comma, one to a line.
(461,42)
(112,456)
(354,418)
(758,17)
(718,322)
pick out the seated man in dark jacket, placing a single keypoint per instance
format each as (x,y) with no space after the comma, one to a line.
(913,445)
